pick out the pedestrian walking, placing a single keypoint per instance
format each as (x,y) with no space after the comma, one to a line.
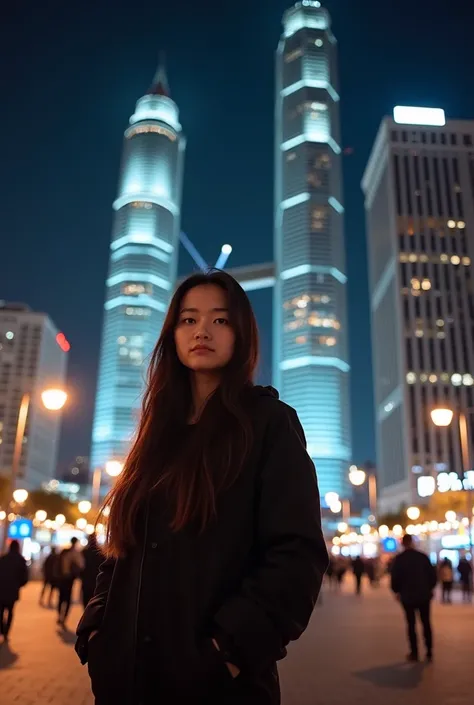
(446,577)
(465,578)
(71,567)
(215,549)
(13,576)
(413,581)
(358,569)
(93,558)
(50,570)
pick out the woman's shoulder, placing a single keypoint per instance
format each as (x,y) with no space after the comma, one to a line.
(269,411)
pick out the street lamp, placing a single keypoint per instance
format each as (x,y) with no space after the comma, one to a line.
(41,515)
(113,468)
(413,513)
(357,477)
(52,400)
(443,417)
(84,507)
(20,496)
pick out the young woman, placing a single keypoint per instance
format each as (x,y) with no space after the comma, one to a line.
(215,551)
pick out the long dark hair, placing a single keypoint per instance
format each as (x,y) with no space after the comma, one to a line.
(216,452)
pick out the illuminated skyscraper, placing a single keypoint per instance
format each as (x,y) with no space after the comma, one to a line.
(419,188)
(143,265)
(310,345)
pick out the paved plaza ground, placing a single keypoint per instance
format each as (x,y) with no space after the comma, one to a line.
(352,654)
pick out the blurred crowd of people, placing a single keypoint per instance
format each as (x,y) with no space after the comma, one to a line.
(61,570)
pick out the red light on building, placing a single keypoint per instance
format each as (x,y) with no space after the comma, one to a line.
(62,342)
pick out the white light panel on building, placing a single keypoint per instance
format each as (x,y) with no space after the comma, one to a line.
(406,115)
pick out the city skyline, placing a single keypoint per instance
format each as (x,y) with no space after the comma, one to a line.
(69,285)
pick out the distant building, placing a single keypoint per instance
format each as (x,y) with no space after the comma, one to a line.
(33,356)
(310,355)
(77,472)
(419,199)
(143,266)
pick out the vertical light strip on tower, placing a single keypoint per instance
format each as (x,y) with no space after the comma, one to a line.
(310,328)
(143,265)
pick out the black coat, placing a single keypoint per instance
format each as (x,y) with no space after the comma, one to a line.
(413,577)
(13,576)
(250,580)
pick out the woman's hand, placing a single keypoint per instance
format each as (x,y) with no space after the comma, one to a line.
(233,670)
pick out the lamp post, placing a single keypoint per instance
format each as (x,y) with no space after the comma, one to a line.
(443,417)
(357,477)
(52,400)
(113,468)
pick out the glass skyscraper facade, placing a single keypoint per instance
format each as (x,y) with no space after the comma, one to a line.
(143,266)
(310,363)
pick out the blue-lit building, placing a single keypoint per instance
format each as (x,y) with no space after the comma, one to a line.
(310,357)
(143,265)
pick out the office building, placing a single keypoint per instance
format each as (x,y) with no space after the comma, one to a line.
(419,199)
(143,266)
(33,357)
(310,357)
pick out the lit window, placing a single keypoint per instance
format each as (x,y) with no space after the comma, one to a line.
(424,258)
(292,55)
(466,260)
(137,311)
(411,378)
(319,42)
(455,259)
(141,204)
(123,352)
(137,289)
(433,378)
(444,258)
(300,339)
(423,377)
(468,380)
(415,283)
(9,335)
(318,217)
(302,303)
(426,284)
(143,129)
(456,379)
(121,340)
(325,299)
(441,335)
(445,377)
(290,156)
(403,257)
(440,322)
(419,333)
(461,224)
(451,224)
(413,258)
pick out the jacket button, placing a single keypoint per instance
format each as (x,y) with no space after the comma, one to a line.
(154,545)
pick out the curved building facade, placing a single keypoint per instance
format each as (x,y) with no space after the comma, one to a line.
(311,367)
(143,266)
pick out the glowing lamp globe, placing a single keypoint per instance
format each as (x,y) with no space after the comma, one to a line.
(442,417)
(113,468)
(413,513)
(84,506)
(356,476)
(41,515)
(53,399)
(20,496)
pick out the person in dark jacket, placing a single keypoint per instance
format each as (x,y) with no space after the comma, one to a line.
(215,551)
(93,559)
(49,577)
(413,581)
(465,577)
(13,576)
(358,569)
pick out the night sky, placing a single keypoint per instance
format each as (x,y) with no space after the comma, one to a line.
(71,74)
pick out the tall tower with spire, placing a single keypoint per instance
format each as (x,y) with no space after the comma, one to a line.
(143,265)
(310,322)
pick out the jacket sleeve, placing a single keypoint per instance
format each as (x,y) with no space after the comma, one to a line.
(275,602)
(395,576)
(94,613)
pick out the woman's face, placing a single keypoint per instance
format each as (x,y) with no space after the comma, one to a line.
(203,335)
